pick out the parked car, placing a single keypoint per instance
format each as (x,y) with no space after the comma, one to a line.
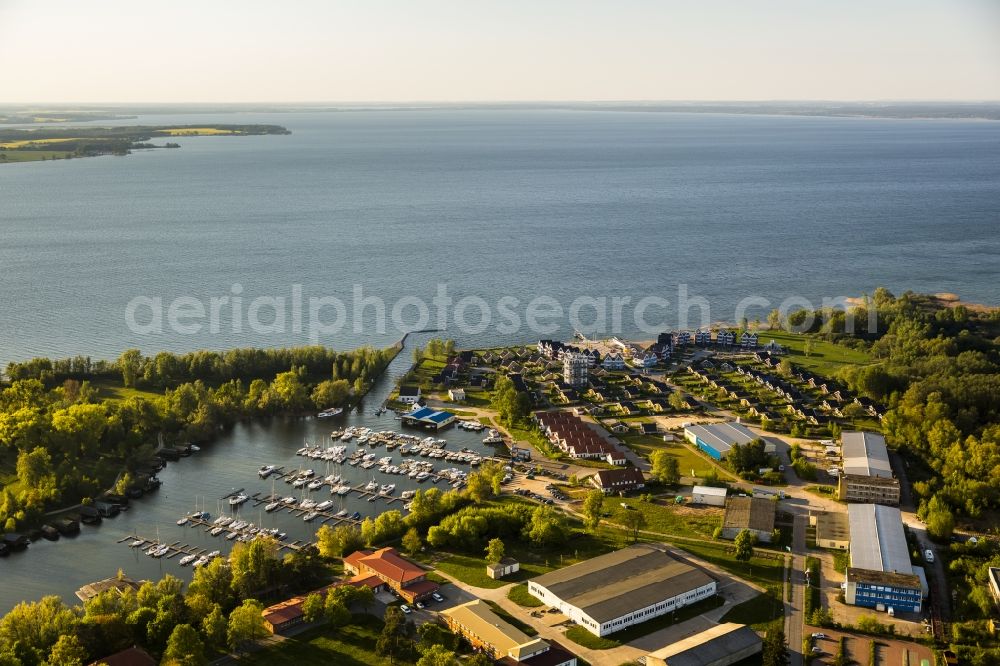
(406,609)
(819,636)
(929,555)
(436,597)
(421,605)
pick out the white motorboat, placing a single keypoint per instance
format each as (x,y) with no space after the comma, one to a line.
(333,411)
(187,559)
(315,485)
(216,531)
(272,506)
(183,521)
(388,488)
(265,471)
(310,516)
(324,505)
(238,499)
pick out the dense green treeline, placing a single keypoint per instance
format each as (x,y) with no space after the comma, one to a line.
(218,612)
(61,442)
(938,372)
(166,369)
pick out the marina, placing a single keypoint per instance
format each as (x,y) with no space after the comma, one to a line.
(260,461)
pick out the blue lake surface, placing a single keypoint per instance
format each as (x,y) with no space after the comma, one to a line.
(522,203)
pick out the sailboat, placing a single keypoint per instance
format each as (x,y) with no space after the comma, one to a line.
(274,503)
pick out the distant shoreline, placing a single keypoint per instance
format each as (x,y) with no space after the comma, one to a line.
(872,110)
(56,143)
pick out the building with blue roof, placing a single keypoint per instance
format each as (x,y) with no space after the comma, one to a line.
(428,416)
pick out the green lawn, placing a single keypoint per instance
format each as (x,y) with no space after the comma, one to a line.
(353,645)
(670,519)
(687,459)
(760,612)
(534,561)
(535,437)
(519,595)
(113,389)
(825,358)
(581,636)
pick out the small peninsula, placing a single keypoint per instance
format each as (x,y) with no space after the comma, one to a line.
(53,143)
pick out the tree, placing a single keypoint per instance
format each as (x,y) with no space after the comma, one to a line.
(677,401)
(546,527)
(37,625)
(665,467)
(775,651)
(774,320)
(494,551)
(940,520)
(254,565)
(432,634)
(438,655)
(130,364)
(593,507)
(393,641)
(213,627)
(632,520)
(743,545)
(34,469)
(334,542)
(246,624)
(313,607)
(479,659)
(215,582)
(478,488)
(68,651)
(412,542)
(335,609)
(331,393)
(184,647)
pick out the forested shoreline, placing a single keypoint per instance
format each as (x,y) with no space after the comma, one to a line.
(69,427)
(937,370)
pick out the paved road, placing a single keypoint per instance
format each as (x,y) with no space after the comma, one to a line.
(795,606)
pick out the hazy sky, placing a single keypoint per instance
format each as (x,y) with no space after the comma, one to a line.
(468,50)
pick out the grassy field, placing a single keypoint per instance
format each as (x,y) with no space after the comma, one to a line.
(114,390)
(671,519)
(33,142)
(519,595)
(760,612)
(353,645)
(471,568)
(687,459)
(768,572)
(193,131)
(825,358)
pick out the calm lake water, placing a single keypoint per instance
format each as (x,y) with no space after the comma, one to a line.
(62,566)
(491,203)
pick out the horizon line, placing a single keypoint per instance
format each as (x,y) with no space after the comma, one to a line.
(515,101)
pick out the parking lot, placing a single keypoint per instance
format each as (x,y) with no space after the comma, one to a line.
(857,648)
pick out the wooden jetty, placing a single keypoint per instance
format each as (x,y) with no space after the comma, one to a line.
(178,548)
